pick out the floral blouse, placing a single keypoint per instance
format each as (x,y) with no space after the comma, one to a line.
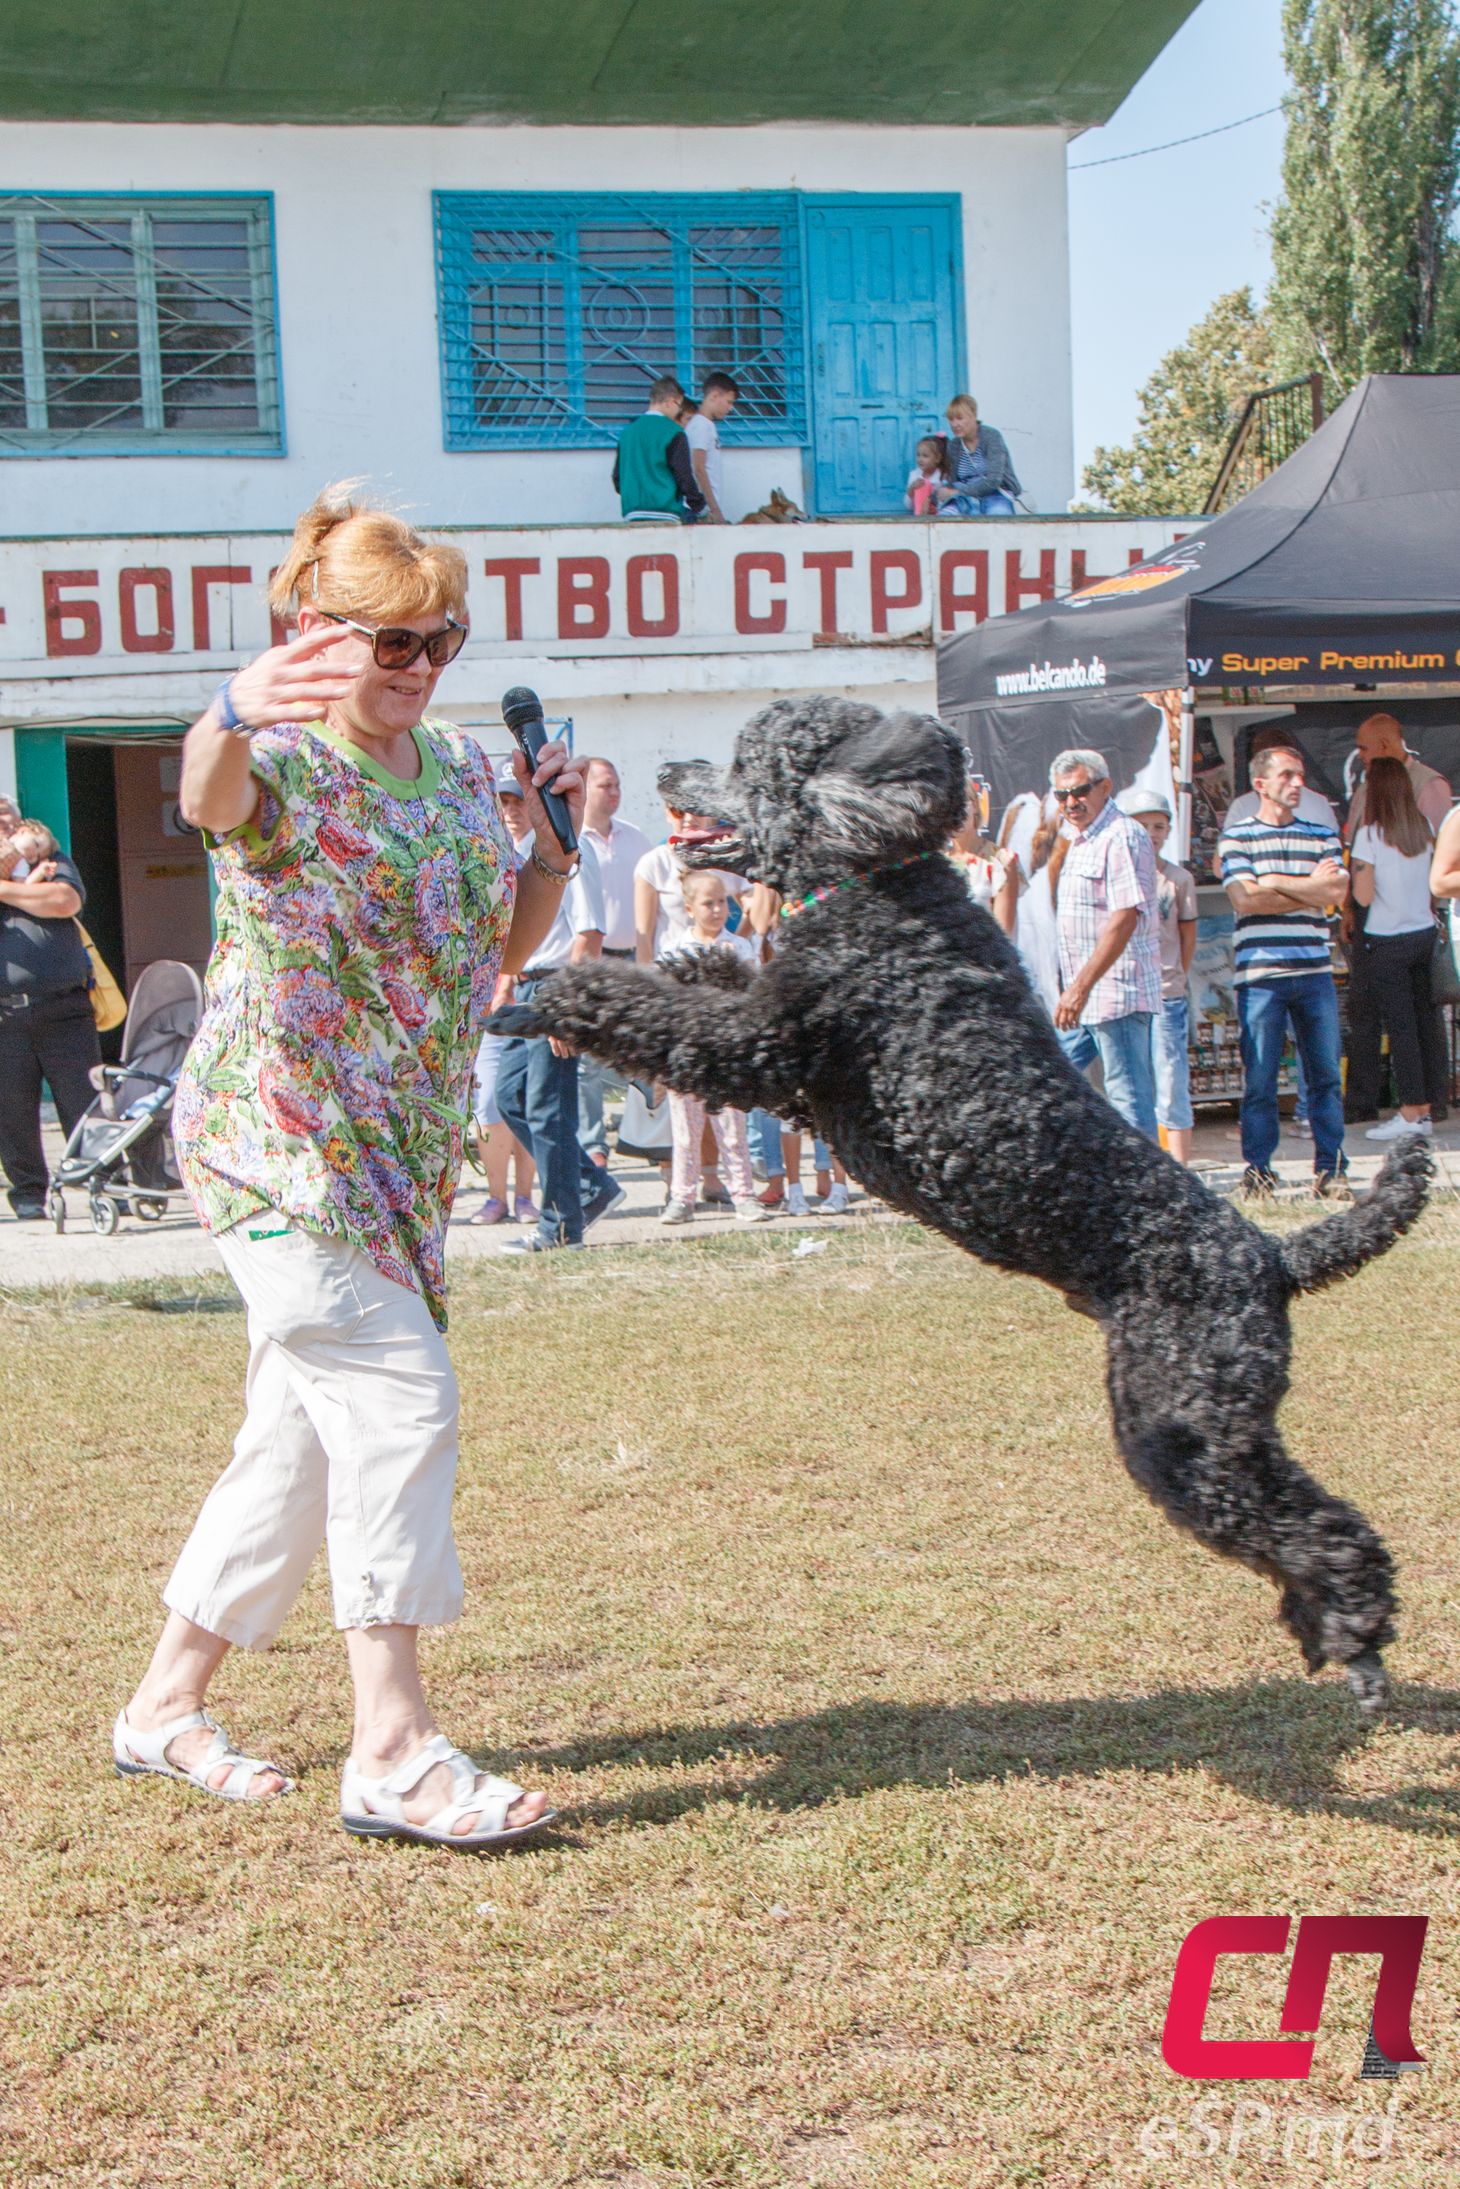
(360,920)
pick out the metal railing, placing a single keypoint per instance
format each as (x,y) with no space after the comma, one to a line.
(1274,422)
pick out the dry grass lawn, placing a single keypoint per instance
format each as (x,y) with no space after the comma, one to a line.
(898,1744)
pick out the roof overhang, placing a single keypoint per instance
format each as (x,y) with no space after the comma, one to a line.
(995,63)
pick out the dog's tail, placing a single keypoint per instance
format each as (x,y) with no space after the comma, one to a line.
(1336,1248)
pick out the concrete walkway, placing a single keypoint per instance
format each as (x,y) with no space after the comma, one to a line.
(35,1254)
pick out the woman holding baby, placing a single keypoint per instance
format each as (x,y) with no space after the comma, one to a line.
(47,1027)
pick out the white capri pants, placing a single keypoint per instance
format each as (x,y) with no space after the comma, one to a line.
(350,1439)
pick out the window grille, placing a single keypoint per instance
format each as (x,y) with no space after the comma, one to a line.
(558,312)
(130,325)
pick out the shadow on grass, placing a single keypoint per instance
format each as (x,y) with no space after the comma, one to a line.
(1279,1742)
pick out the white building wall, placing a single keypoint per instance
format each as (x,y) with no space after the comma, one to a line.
(357,304)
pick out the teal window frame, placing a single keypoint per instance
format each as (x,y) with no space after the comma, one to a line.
(23,285)
(692,269)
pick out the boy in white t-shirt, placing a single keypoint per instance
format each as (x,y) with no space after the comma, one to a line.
(702,431)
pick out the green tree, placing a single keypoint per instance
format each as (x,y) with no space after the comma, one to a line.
(1189,407)
(1365,274)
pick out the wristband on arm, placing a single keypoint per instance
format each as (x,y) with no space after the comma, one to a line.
(228,716)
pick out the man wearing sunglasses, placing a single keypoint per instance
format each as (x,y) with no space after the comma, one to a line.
(1109,938)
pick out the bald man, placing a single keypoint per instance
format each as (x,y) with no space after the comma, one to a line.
(1381,737)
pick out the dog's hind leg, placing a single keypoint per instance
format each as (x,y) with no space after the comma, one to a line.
(1241,1494)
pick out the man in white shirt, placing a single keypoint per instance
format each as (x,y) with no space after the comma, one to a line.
(717,399)
(537,1081)
(618,847)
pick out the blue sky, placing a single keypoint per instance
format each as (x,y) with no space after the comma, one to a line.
(1154,241)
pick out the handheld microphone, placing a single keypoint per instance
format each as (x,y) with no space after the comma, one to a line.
(522,713)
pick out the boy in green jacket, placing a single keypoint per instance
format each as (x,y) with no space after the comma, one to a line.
(652,469)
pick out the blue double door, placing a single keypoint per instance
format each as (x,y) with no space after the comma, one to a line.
(884,298)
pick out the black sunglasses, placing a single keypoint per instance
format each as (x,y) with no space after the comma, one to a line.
(1072,790)
(396,648)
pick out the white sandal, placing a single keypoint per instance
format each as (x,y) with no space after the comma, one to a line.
(375,1808)
(137,1754)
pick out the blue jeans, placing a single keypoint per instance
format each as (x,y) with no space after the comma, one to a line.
(1172,1059)
(1309,1001)
(1123,1046)
(765,1138)
(537,1094)
(765,1134)
(595,1080)
(978,505)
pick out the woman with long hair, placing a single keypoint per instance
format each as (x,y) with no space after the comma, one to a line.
(1031,838)
(368,899)
(1391,877)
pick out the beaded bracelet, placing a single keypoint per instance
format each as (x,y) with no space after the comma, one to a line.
(559,876)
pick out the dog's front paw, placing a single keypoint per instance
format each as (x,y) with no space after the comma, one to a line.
(515,1018)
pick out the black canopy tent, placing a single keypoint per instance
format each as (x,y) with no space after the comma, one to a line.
(1338,571)
(1330,591)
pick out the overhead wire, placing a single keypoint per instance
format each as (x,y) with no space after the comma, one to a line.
(1145,152)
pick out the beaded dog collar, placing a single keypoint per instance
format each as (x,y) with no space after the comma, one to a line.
(850,881)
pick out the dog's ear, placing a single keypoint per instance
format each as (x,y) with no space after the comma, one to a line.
(691,786)
(897,783)
(873,819)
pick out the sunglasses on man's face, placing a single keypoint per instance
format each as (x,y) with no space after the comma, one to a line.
(1072,790)
(393,647)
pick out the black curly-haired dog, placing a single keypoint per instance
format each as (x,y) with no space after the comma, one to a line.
(897,1018)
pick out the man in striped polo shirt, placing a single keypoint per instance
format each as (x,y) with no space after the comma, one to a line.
(1284,875)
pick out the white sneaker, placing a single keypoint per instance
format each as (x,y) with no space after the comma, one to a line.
(795,1201)
(838,1201)
(1399,1126)
(751,1212)
(678,1212)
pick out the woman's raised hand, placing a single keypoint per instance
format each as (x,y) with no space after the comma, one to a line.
(557,767)
(295,683)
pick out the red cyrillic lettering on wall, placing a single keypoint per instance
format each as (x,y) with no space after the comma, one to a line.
(512,569)
(903,562)
(826,563)
(761,563)
(159,584)
(666,569)
(83,617)
(204,575)
(955,601)
(583,596)
(1018,588)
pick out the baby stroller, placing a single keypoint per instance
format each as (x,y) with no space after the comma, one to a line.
(121,1151)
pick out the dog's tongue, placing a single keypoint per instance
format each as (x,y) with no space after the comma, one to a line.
(694,837)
